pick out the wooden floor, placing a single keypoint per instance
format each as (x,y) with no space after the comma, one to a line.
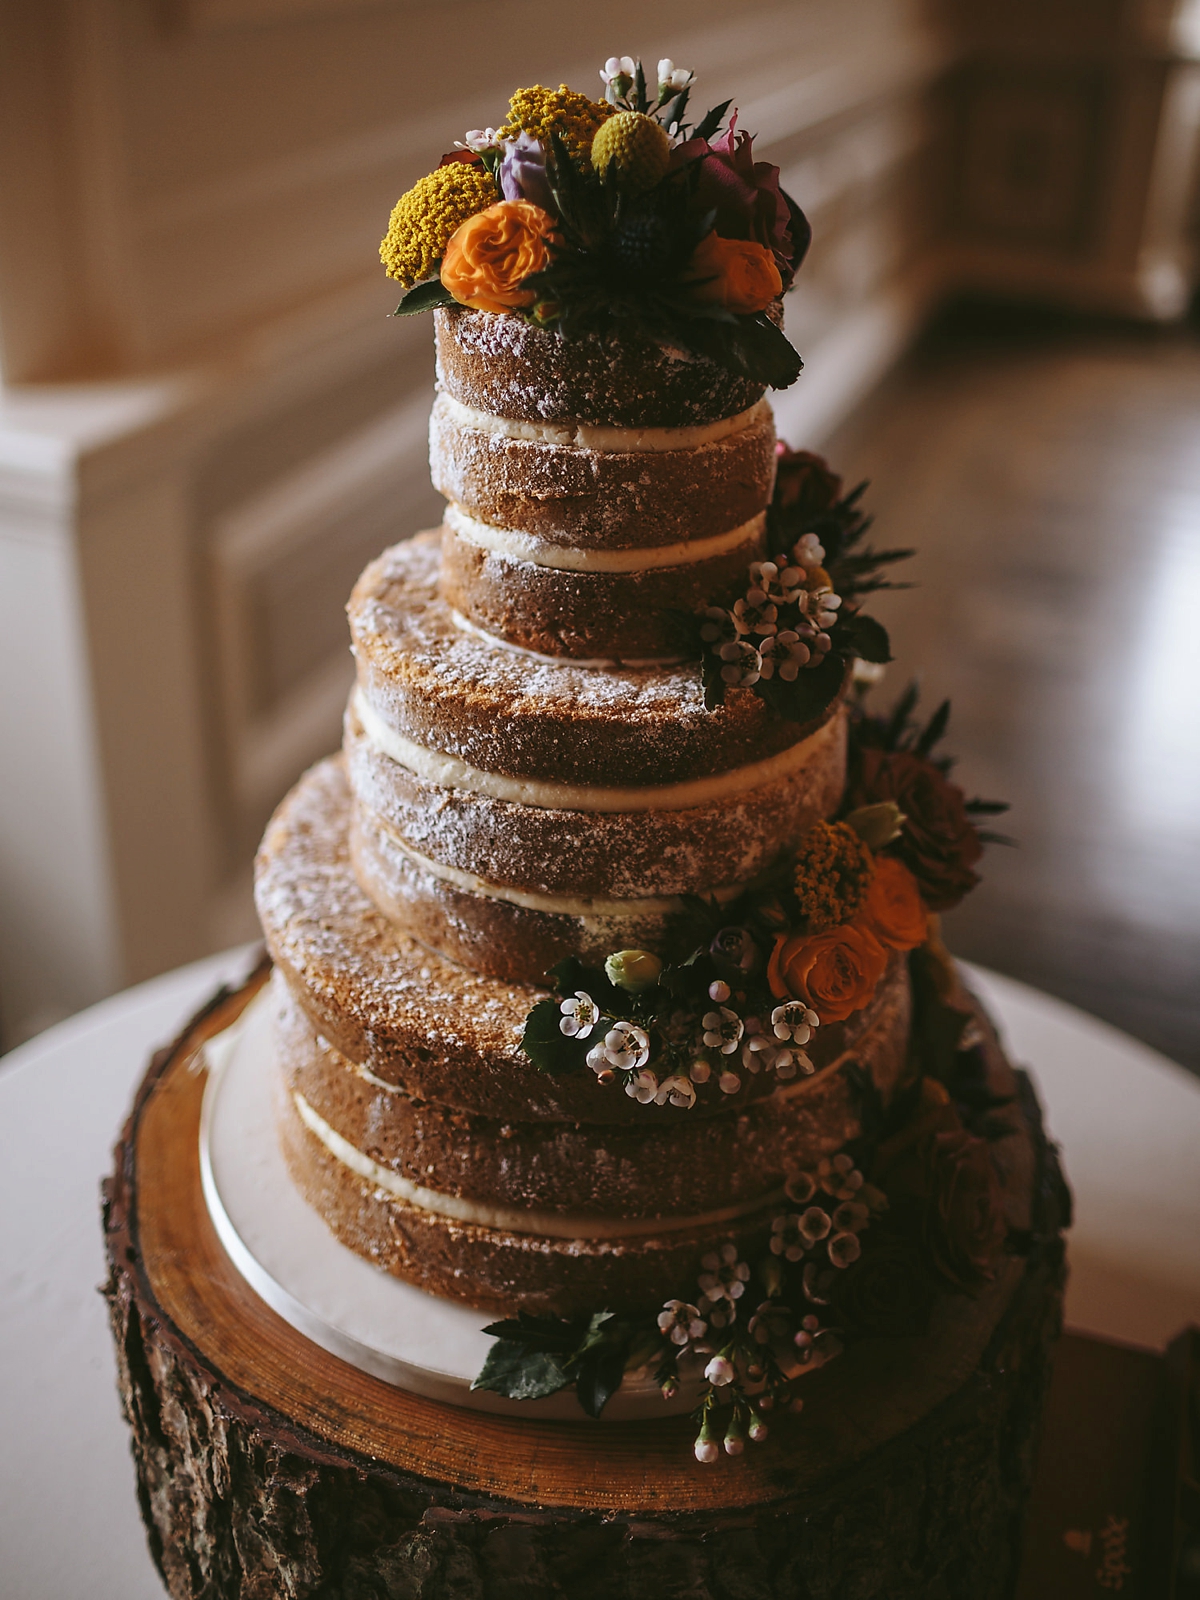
(1049,474)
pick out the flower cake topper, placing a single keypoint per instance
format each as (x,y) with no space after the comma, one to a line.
(582,215)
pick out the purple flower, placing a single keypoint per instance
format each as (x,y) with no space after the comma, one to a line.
(522,174)
(746,196)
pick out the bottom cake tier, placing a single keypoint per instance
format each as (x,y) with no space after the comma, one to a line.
(266,1467)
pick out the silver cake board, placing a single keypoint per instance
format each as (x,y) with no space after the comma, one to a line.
(356,1311)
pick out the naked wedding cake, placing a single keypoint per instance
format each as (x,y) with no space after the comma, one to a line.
(609,991)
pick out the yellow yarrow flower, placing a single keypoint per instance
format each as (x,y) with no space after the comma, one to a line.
(834,869)
(541,112)
(425,219)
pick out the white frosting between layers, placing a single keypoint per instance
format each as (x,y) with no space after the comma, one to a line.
(552,1224)
(448,772)
(558,905)
(600,437)
(467,626)
(518,546)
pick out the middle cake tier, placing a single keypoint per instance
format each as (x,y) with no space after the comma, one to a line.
(510,811)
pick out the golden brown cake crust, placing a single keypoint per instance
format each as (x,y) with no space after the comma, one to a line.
(449,690)
(442,1033)
(503,712)
(638,616)
(604,499)
(503,365)
(613,854)
(644,1169)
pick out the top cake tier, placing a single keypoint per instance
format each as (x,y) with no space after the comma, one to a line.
(504,365)
(600,495)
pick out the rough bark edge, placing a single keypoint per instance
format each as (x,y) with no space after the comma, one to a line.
(242,1504)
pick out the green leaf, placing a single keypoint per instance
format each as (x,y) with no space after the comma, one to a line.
(709,125)
(809,695)
(424,297)
(866,637)
(753,347)
(519,1373)
(598,1376)
(546,1045)
(934,729)
(556,1334)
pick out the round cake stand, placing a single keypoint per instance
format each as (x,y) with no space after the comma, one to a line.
(339,1300)
(268,1466)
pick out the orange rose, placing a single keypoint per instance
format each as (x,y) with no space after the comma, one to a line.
(892,910)
(834,971)
(493,252)
(741,275)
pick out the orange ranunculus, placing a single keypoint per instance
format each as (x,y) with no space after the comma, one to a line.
(493,252)
(892,910)
(740,274)
(834,971)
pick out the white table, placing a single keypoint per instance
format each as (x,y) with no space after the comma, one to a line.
(1128,1121)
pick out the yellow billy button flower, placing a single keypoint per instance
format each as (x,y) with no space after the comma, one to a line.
(425,219)
(636,150)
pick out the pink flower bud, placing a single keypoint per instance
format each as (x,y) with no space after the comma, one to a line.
(719,1372)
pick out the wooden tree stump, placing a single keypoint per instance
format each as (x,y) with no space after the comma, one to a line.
(268,1468)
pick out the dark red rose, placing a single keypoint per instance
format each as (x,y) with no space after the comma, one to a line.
(803,482)
(746,196)
(938,842)
(937,1172)
(888,1291)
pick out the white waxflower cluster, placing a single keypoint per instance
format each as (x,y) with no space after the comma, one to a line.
(779,627)
(748,1045)
(619,72)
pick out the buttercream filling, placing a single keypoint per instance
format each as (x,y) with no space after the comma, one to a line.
(599,436)
(449,772)
(557,905)
(468,626)
(504,1219)
(514,545)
